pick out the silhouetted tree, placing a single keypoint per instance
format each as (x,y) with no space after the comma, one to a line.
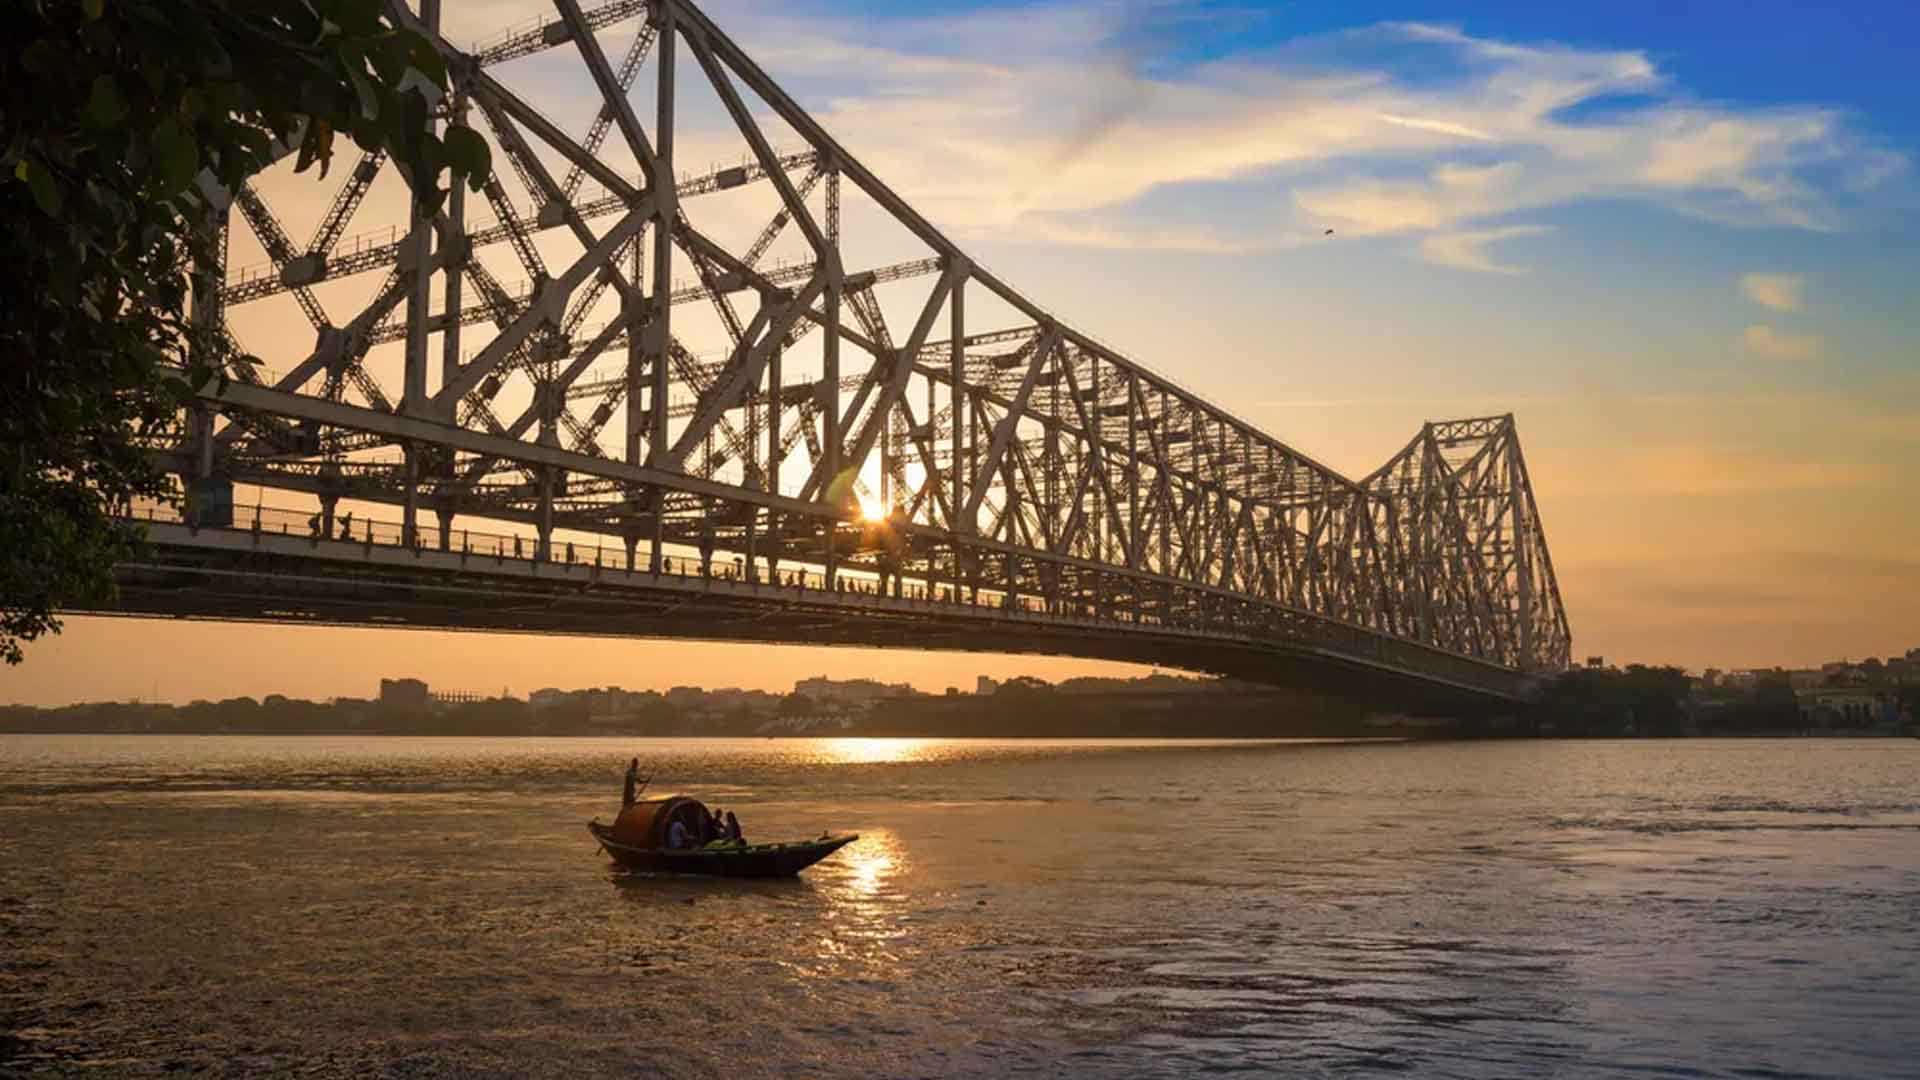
(116,115)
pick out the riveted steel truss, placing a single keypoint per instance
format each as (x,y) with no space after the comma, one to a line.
(778,363)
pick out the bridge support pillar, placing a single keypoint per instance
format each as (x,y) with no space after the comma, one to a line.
(632,543)
(543,549)
(751,566)
(417,264)
(410,509)
(659,528)
(328,503)
(201,422)
(445,517)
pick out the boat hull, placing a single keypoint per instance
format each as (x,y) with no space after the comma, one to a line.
(753,861)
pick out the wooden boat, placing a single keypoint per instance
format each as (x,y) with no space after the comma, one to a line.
(637,840)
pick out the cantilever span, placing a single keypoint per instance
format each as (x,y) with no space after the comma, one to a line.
(771,368)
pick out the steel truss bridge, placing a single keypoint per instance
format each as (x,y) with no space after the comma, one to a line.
(768,400)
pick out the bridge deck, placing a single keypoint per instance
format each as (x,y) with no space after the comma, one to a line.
(241,574)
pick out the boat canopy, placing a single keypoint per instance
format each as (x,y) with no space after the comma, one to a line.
(645,823)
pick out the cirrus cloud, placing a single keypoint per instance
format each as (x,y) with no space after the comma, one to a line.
(1086,122)
(1056,118)
(1468,250)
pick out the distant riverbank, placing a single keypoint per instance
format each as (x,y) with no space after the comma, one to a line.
(1135,716)
(1636,702)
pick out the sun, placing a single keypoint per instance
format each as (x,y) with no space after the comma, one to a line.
(871,510)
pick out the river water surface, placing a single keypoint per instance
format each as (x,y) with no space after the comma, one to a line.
(428,907)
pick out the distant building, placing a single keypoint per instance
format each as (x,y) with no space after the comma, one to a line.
(851,690)
(403,693)
(1840,707)
(686,697)
(984,685)
(1843,673)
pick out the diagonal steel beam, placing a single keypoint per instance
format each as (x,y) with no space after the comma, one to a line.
(488,92)
(548,307)
(611,89)
(1049,341)
(743,372)
(903,367)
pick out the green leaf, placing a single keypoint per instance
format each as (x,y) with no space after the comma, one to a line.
(176,156)
(316,145)
(468,155)
(40,182)
(105,106)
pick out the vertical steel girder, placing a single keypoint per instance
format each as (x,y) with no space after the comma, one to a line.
(993,451)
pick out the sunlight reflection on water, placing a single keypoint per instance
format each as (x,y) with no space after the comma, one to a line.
(872,751)
(871,861)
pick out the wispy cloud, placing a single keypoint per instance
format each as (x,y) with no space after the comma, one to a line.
(1777,344)
(1781,292)
(1000,119)
(1443,127)
(1468,250)
(1079,122)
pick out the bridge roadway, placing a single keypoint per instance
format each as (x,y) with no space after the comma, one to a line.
(269,569)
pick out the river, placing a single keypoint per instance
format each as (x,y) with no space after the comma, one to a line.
(430,907)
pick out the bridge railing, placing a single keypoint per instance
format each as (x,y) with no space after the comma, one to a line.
(504,547)
(1275,628)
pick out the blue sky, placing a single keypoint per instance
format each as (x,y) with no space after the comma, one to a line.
(1855,55)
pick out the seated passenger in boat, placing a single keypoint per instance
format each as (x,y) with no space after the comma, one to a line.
(677,839)
(725,832)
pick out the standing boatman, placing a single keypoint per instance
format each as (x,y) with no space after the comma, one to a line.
(633,782)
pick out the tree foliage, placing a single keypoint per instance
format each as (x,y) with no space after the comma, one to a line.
(1653,699)
(122,122)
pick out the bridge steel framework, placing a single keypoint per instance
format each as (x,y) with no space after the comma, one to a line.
(990,461)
